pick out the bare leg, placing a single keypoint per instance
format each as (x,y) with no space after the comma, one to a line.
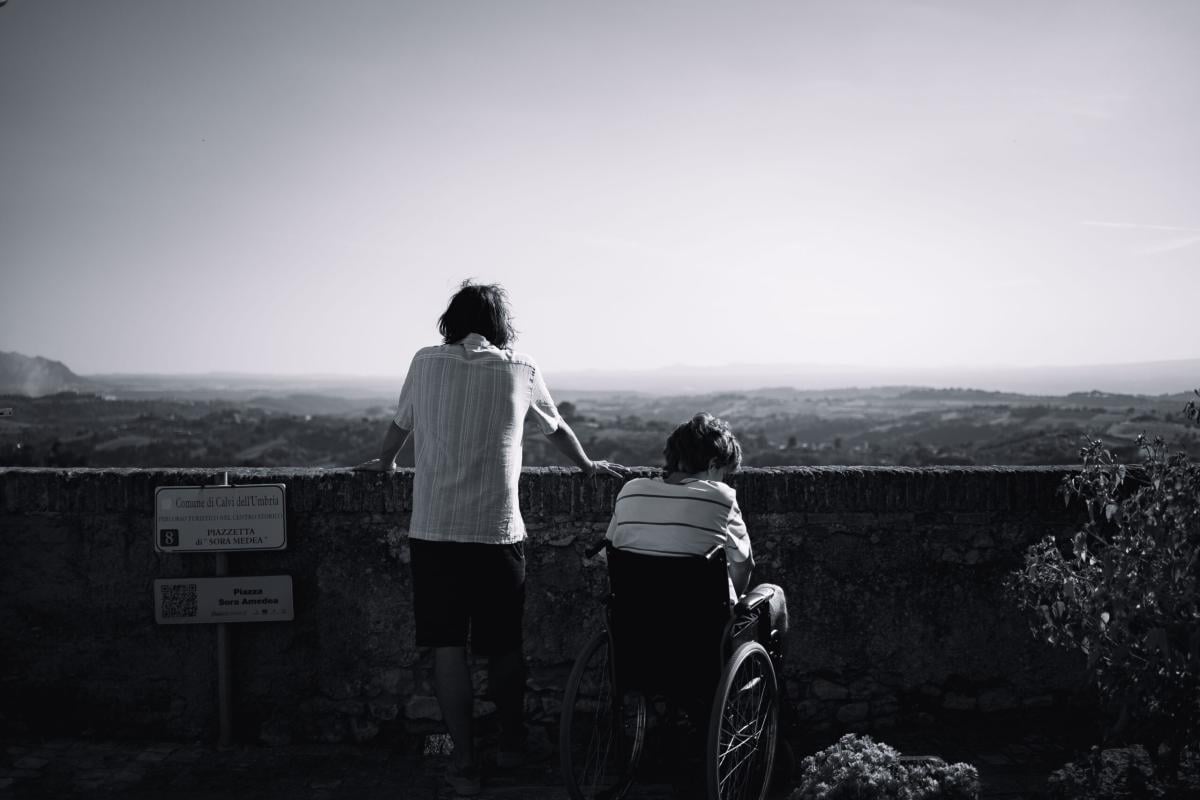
(506,679)
(456,696)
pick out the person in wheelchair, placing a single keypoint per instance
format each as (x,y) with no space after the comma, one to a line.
(691,509)
(681,628)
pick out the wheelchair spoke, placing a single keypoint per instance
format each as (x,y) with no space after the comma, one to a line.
(601,733)
(745,739)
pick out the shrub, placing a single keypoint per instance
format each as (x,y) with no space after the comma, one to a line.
(857,768)
(1125,591)
(1122,772)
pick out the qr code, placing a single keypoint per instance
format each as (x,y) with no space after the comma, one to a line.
(179,600)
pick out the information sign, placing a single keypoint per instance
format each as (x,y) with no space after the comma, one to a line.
(189,519)
(250,598)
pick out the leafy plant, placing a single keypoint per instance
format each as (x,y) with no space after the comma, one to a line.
(858,768)
(1124,591)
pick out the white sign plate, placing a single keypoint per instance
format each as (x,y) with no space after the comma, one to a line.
(190,519)
(249,598)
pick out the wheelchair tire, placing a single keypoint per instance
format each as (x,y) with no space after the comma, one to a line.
(600,737)
(744,727)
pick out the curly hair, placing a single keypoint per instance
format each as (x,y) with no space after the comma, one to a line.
(700,442)
(478,308)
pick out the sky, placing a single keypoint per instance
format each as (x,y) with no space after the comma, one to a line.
(296,187)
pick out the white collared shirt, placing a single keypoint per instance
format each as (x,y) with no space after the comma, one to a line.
(466,404)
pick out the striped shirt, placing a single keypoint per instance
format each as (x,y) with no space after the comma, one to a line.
(467,404)
(652,516)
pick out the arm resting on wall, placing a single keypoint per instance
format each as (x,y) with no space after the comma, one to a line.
(393,440)
(565,441)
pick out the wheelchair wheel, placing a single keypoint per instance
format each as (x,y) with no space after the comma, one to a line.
(600,736)
(743,727)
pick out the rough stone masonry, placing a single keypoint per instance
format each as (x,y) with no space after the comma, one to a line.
(894,578)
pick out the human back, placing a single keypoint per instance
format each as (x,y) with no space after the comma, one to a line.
(686,518)
(690,508)
(467,404)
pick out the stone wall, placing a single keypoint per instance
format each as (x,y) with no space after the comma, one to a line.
(894,578)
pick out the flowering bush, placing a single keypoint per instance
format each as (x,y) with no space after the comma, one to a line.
(857,768)
(1122,773)
(1127,591)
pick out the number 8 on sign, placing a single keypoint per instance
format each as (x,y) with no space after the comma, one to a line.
(168,537)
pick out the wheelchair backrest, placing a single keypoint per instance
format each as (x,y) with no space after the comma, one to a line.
(667,615)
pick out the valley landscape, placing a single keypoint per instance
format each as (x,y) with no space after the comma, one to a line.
(60,419)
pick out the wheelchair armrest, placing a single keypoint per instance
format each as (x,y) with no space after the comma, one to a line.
(752,600)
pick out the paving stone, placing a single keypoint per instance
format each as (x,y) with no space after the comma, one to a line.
(129,775)
(325,784)
(185,756)
(1010,768)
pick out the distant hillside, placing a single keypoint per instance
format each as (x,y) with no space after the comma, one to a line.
(1146,378)
(37,376)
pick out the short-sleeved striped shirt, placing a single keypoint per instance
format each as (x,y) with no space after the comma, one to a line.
(466,404)
(652,516)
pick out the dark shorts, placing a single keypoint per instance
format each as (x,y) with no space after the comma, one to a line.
(464,590)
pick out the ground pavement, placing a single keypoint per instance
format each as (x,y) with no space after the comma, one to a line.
(1011,767)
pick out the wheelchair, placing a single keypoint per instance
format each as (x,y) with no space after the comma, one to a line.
(673,640)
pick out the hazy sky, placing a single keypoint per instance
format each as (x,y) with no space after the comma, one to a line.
(298,187)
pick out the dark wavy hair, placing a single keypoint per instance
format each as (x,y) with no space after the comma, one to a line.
(478,308)
(699,442)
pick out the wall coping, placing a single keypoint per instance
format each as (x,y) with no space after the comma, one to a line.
(561,490)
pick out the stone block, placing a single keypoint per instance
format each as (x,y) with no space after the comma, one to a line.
(863,688)
(954,701)
(824,689)
(384,707)
(808,710)
(331,730)
(363,729)
(884,705)
(275,733)
(423,707)
(389,680)
(998,700)
(1038,701)
(853,712)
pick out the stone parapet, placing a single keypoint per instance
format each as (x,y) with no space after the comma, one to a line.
(894,578)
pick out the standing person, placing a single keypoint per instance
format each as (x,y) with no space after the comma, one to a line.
(466,403)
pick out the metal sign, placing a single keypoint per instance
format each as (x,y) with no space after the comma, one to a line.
(250,598)
(190,519)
